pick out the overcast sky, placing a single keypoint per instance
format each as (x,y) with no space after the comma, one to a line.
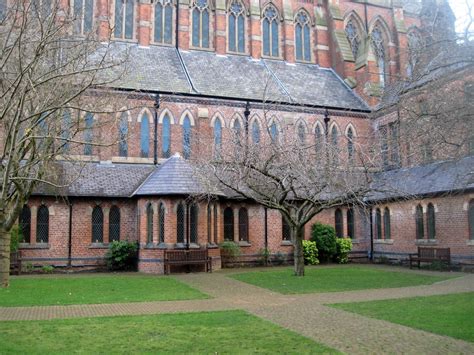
(461,10)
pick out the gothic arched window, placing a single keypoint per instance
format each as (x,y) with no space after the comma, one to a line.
(243,225)
(209,223)
(319,139)
(236,27)
(144,136)
(180,214)
(285,229)
(217,135)
(200,24)
(302,37)
(215,224)
(66,130)
(149,223)
(83,16)
(114,224)
(274,132)
(378,47)
(193,223)
(237,131)
(350,223)
(386,223)
(186,137)
(335,144)
(88,123)
(124,19)
(339,223)
(255,132)
(166,137)
(301,133)
(270,32)
(353,37)
(42,224)
(378,223)
(97,225)
(228,224)
(163,24)
(420,230)
(123,134)
(25,224)
(350,143)
(430,221)
(161,223)
(471,219)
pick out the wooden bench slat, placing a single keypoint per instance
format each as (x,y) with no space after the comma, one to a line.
(187,257)
(426,254)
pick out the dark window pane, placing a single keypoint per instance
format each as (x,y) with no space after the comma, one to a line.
(161,221)
(97,225)
(205,29)
(180,224)
(66,130)
(471,219)
(168,24)
(266,37)
(193,224)
(307,43)
(255,132)
(350,223)
(88,15)
(285,229)
(274,132)
(217,135)
(215,224)
(298,44)
(42,225)
(89,121)
(430,222)
(114,224)
(158,22)
(129,19)
(275,40)
(123,134)
(196,27)
(228,224)
(350,143)
(186,137)
(339,224)
(165,137)
(149,223)
(243,225)
(118,23)
(77,15)
(232,46)
(25,224)
(386,224)
(241,33)
(420,231)
(378,223)
(209,221)
(144,136)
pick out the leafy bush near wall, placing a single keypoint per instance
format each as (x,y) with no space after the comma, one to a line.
(16,238)
(325,238)
(310,253)
(122,255)
(230,249)
(343,246)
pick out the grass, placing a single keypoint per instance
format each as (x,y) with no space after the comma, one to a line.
(451,315)
(206,332)
(89,289)
(334,279)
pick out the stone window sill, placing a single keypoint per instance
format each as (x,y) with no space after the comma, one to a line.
(212,246)
(98,246)
(383,241)
(286,243)
(426,242)
(244,243)
(34,246)
(356,241)
(132,160)
(470,242)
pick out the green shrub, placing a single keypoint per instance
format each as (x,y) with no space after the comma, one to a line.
(16,237)
(325,238)
(343,246)
(264,257)
(47,269)
(122,255)
(229,249)
(310,253)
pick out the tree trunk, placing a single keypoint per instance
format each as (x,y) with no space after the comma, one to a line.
(4,258)
(298,250)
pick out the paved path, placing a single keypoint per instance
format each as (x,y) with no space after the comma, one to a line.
(305,314)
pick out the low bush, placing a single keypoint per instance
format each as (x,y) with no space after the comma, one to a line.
(325,238)
(16,238)
(229,249)
(310,253)
(122,255)
(47,269)
(343,247)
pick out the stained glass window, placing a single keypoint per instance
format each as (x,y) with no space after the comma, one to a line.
(353,37)
(97,225)
(89,122)
(42,225)
(200,27)
(193,223)
(302,36)
(123,135)
(217,136)
(270,32)
(378,47)
(228,224)
(163,25)
(114,224)
(124,19)
(186,137)
(145,136)
(83,15)
(236,27)
(166,137)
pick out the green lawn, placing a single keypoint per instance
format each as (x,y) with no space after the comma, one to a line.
(210,333)
(333,279)
(88,289)
(451,315)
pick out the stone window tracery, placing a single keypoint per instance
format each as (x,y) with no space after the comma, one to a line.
(124,19)
(200,23)
(270,32)
(163,21)
(83,16)
(378,46)
(352,34)
(236,20)
(302,36)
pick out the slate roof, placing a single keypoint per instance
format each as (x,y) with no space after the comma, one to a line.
(174,177)
(439,177)
(158,68)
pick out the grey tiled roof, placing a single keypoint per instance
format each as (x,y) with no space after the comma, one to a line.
(174,177)
(440,177)
(158,68)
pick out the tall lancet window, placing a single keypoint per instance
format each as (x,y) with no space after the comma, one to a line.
(353,37)
(378,47)
(302,37)
(163,24)
(200,25)
(83,15)
(236,27)
(270,32)
(124,19)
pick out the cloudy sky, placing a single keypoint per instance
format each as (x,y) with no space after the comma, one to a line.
(461,10)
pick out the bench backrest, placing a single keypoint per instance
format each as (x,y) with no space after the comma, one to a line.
(185,255)
(439,253)
(175,255)
(197,255)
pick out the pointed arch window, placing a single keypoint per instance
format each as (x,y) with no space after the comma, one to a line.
(83,16)
(378,223)
(209,224)
(88,124)
(215,224)
(319,139)
(228,224)
(301,133)
(431,221)
(353,37)
(420,230)
(350,144)
(166,137)
(163,21)
(42,225)
(114,224)
(217,136)
(255,132)
(274,132)
(302,36)
(123,135)
(335,144)
(378,46)
(270,32)
(180,223)
(97,225)
(350,223)
(149,223)
(386,223)
(124,19)
(339,223)
(200,27)
(471,219)
(66,130)
(236,22)
(193,223)
(285,229)
(186,137)
(243,225)
(25,224)
(145,136)
(161,222)
(237,131)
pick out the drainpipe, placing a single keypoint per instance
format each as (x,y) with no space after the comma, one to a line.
(371,256)
(69,251)
(266,228)
(177,25)
(155,133)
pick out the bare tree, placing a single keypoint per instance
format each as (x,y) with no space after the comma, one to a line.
(49,75)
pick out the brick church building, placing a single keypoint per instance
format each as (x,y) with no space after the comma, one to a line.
(207,67)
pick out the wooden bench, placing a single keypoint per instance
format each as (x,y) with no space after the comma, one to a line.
(426,254)
(358,254)
(187,257)
(15,263)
